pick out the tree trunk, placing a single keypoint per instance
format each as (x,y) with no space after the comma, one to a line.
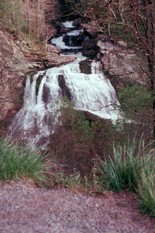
(154,115)
(153,102)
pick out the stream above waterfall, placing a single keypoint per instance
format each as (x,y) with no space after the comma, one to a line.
(45,92)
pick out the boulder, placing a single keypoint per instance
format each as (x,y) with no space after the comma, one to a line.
(78,40)
(122,63)
(73,40)
(92,28)
(77,22)
(90,48)
(85,66)
(91,53)
(89,44)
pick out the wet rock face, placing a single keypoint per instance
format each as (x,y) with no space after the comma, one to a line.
(73,40)
(78,21)
(85,66)
(38,83)
(61,30)
(89,45)
(90,48)
(78,40)
(46,94)
(65,91)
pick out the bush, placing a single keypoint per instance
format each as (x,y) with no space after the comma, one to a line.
(16,163)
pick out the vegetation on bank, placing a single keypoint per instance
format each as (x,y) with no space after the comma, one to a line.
(134,98)
(131,167)
(84,147)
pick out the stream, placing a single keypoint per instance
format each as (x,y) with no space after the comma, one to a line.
(45,92)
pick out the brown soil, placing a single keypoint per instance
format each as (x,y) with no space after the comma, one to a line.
(28,209)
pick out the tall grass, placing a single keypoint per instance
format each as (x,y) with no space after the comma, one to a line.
(146,185)
(15,163)
(120,171)
(131,167)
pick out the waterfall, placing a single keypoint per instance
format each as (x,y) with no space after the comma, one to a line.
(44,93)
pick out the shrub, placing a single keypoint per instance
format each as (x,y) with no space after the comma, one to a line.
(16,163)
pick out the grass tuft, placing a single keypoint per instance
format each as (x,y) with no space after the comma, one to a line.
(120,170)
(131,167)
(15,163)
(146,186)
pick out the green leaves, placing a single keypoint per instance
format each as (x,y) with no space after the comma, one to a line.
(134,98)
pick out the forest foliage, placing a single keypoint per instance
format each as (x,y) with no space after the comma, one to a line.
(30,17)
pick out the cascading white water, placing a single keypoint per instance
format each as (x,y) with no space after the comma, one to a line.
(68,24)
(40,114)
(58,41)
